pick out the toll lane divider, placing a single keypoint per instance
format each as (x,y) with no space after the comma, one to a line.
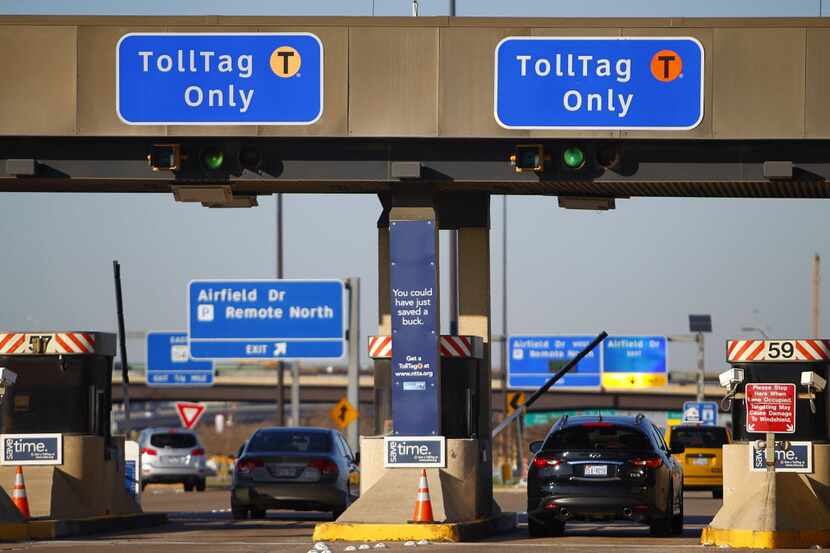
(64,528)
(440,532)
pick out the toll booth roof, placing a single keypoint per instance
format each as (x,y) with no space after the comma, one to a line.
(50,342)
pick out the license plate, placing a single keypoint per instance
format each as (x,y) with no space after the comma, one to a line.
(284,472)
(173,460)
(700,461)
(596,470)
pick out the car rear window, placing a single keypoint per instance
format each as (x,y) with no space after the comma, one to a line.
(290,441)
(174,440)
(701,436)
(598,436)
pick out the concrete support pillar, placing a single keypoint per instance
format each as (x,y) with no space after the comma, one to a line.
(474,320)
(383,377)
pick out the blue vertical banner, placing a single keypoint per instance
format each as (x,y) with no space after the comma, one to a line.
(415,328)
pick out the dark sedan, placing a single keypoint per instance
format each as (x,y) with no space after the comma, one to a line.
(604,468)
(304,469)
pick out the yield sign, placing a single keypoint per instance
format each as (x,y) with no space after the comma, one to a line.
(189,413)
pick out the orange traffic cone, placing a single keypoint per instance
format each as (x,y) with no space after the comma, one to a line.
(423,505)
(19,494)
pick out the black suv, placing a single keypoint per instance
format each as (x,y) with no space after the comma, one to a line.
(604,468)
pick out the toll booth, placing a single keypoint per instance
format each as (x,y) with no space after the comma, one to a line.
(460,373)
(777,389)
(55,409)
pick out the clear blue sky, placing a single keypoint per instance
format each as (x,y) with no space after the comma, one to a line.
(640,269)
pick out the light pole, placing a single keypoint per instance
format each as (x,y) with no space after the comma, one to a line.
(280,365)
(754,329)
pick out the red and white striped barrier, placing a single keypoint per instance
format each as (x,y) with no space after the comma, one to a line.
(380,347)
(47,343)
(784,351)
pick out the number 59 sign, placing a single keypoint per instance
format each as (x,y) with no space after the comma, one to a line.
(777,351)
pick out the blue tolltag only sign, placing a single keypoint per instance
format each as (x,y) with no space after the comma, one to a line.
(219,78)
(614,83)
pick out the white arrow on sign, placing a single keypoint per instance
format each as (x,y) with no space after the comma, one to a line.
(280,348)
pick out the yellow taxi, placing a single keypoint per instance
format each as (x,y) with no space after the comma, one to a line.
(702,458)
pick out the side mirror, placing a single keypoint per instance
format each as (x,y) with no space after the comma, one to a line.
(677,449)
(535,446)
(357,458)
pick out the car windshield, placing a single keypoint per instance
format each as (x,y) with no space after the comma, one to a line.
(598,436)
(699,436)
(290,441)
(176,441)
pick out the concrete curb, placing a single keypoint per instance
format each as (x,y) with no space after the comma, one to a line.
(765,539)
(52,529)
(13,531)
(443,532)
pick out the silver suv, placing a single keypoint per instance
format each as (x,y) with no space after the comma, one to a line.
(172,456)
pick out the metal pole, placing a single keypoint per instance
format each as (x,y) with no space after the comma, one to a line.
(353,386)
(280,364)
(454,282)
(504,305)
(122,342)
(816,296)
(451,8)
(700,373)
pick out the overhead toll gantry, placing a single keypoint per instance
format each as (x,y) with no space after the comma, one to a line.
(434,115)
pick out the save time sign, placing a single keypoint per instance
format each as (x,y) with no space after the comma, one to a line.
(219,79)
(648,83)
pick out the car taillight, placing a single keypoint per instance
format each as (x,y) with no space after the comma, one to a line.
(599,424)
(541,462)
(247,465)
(325,466)
(650,462)
(149,451)
(198,451)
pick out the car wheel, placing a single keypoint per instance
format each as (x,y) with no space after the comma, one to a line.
(677,521)
(238,513)
(717,493)
(535,529)
(555,528)
(661,525)
(200,485)
(257,513)
(188,486)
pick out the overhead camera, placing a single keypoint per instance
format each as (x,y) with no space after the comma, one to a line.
(813,381)
(731,378)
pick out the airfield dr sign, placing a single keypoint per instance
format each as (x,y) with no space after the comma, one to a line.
(219,78)
(266,319)
(647,83)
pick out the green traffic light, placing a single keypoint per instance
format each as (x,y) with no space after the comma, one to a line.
(213,158)
(573,157)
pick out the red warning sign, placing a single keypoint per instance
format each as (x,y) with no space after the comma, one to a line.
(189,413)
(770,408)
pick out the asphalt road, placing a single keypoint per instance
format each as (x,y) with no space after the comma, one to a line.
(201,523)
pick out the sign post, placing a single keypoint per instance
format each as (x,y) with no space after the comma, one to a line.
(770,408)
(219,78)
(634,361)
(190,413)
(415,362)
(266,319)
(700,412)
(532,360)
(169,362)
(649,83)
